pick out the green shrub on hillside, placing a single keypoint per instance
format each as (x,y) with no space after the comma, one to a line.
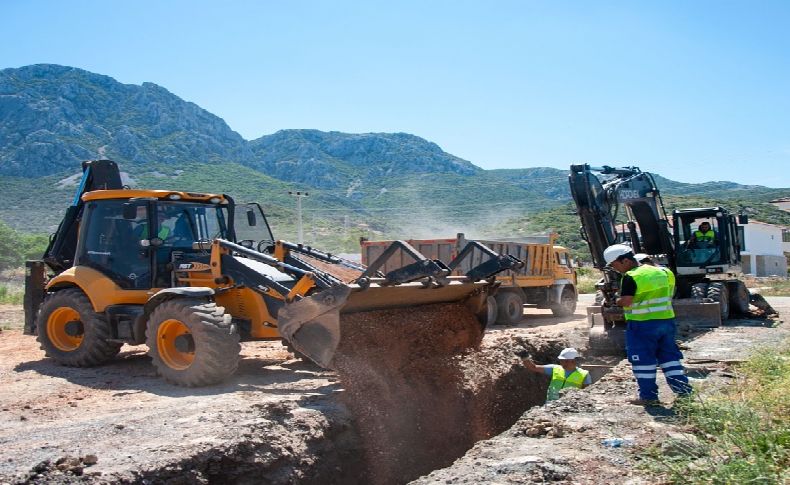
(16,247)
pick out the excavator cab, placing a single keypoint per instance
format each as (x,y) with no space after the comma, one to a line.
(706,241)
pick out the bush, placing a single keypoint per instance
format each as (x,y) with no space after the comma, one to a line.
(14,297)
(16,247)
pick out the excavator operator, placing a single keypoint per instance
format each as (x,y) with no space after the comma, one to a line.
(703,237)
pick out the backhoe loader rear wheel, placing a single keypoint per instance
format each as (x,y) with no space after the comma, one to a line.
(71,333)
(192,342)
(718,293)
(510,306)
(739,296)
(567,304)
(699,290)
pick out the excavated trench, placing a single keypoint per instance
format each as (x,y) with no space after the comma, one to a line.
(424,397)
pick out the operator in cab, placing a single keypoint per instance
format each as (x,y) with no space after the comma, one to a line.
(565,375)
(646,298)
(703,237)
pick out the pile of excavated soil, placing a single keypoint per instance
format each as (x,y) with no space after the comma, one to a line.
(421,390)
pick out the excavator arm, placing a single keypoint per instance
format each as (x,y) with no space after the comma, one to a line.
(598,201)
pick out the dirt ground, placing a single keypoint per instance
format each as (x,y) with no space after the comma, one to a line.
(279,420)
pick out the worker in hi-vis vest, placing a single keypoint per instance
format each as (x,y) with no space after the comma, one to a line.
(646,298)
(703,237)
(565,375)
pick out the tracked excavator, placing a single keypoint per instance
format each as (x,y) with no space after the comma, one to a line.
(707,267)
(191,275)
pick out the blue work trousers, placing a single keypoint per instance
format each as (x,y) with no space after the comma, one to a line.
(650,345)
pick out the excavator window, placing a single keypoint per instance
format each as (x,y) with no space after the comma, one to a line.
(699,242)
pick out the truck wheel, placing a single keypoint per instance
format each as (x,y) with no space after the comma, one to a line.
(510,307)
(492,310)
(71,333)
(192,342)
(739,296)
(567,304)
(699,291)
(718,293)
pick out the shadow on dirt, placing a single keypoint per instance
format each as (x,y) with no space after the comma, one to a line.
(132,371)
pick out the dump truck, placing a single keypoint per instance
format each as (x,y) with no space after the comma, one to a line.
(546,278)
(191,275)
(707,273)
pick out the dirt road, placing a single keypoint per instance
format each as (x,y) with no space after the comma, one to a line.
(283,421)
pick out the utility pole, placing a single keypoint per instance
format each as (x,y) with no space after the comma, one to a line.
(299,196)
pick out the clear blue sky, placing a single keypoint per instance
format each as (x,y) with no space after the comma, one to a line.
(695,91)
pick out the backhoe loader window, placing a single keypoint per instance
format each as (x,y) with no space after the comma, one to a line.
(109,245)
(259,232)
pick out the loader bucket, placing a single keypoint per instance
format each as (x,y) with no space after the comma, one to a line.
(314,325)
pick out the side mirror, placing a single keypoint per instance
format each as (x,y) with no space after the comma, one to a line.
(251,217)
(129,211)
(743,219)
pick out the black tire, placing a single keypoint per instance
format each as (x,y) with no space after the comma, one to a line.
(510,307)
(567,304)
(739,298)
(718,293)
(699,291)
(88,348)
(214,352)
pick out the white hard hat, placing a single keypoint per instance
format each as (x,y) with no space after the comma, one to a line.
(615,251)
(568,354)
(641,257)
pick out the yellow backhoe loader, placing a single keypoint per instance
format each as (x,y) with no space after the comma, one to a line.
(191,275)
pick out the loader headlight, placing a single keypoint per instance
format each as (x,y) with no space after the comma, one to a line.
(174,197)
(215,200)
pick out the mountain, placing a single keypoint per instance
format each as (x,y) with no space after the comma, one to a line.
(371,184)
(51,117)
(331,160)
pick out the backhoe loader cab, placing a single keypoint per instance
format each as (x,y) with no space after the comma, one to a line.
(191,275)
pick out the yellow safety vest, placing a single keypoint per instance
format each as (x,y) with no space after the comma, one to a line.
(653,299)
(707,236)
(559,381)
(164,231)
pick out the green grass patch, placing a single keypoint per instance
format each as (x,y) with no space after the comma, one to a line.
(586,279)
(776,287)
(11,296)
(737,435)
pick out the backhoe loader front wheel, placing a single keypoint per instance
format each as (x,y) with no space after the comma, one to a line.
(71,333)
(192,342)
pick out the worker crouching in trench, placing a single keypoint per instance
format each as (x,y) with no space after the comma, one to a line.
(563,376)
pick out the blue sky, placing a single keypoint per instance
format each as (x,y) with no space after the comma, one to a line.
(694,91)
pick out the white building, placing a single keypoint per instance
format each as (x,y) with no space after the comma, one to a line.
(784,204)
(762,252)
